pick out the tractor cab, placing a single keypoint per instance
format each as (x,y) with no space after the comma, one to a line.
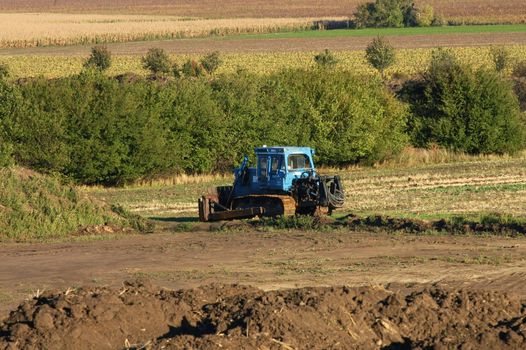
(277,167)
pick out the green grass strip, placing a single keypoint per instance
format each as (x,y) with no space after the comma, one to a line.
(471,29)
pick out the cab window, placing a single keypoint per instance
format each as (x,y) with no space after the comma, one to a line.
(298,161)
(263,163)
(276,164)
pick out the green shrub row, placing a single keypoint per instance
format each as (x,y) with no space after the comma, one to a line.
(97,130)
(464,109)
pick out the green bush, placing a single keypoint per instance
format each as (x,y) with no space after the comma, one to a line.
(4,71)
(192,68)
(500,57)
(101,130)
(463,109)
(91,128)
(380,54)
(519,83)
(326,59)
(211,62)
(424,16)
(393,13)
(156,61)
(346,118)
(100,58)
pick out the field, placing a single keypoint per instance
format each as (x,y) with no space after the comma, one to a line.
(444,276)
(429,250)
(477,11)
(35,29)
(409,61)
(184,254)
(469,186)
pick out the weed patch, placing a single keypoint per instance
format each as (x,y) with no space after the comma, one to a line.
(35,206)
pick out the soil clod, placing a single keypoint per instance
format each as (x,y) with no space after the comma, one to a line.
(139,315)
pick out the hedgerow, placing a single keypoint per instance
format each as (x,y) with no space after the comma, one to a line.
(464,109)
(99,130)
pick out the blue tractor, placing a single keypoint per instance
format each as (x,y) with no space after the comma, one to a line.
(284,182)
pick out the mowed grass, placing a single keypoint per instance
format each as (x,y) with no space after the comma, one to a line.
(470,186)
(461,29)
(408,61)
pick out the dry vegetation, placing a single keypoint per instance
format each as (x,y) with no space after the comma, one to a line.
(409,61)
(480,11)
(132,20)
(33,29)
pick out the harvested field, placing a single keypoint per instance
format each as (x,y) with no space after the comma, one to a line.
(469,186)
(141,316)
(470,11)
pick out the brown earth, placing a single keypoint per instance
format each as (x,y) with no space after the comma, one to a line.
(139,316)
(461,10)
(272,259)
(199,46)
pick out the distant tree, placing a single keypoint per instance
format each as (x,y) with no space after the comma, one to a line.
(326,59)
(4,71)
(393,13)
(500,57)
(424,16)
(100,58)
(380,54)
(211,62)
(156,61)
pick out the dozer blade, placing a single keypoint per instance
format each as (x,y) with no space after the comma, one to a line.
(211,210)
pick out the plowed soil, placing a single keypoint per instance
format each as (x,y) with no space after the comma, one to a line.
(139,316)
(199,46)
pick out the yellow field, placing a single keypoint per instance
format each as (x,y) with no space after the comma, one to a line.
(44,29)
(409,61)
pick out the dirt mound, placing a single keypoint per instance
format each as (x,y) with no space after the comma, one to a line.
(36,206)
(491,224)
(233,317)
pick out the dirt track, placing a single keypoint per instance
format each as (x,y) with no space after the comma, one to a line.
(268,260)
(189,46)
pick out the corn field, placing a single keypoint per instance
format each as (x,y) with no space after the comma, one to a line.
(409,62)
(20,30)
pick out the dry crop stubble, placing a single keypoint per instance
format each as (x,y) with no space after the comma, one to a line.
(432,187)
